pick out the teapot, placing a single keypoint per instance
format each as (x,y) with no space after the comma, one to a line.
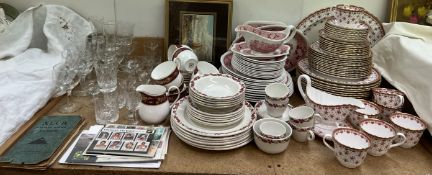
(154,106)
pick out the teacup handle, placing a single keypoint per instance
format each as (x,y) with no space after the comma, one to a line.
(401,100)
(401,142)
(178,93)
(325,142)
(311,135)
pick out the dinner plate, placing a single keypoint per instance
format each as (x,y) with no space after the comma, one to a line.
(213,140)
(238,139)
(181,120)
(315,21)
(374,77)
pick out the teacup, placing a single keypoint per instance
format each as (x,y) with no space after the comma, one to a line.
(154,106)
(411,126)
(272,129)
(371,110)
(390,98)
(276,99)
(350,146)
(204,67)
(184,57)
(176,47)
(302,134)
(269,145)
(302,116)
(167,74)
(381,135)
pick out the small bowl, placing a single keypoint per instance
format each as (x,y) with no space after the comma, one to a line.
(271,146)
(273,130)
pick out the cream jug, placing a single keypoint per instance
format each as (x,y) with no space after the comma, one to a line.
(154,106)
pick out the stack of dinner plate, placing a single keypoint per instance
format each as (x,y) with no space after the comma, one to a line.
(215,115)
(340,62)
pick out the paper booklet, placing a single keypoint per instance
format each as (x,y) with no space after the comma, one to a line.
(127,140)
(75,153)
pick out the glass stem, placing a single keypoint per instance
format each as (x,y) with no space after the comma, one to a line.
(68,98)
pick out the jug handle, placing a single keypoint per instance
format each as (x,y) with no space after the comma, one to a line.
(308,83)
(178,93)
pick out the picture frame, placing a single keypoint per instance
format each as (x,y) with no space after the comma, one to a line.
(412,11)
(203,25)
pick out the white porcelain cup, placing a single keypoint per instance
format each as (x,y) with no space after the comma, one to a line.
(276,99)
(302,134)
(272,129)
(303,116)
(382,135)
(389,98)
(350,146)
(167,74)
(186,60)
(411,126)
(176,47)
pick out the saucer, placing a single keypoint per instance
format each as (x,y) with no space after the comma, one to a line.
(322,128)
(261,110)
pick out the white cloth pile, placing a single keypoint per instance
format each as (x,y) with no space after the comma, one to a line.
(29,48)
(404,58)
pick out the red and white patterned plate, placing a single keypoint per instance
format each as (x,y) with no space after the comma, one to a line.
(316,20)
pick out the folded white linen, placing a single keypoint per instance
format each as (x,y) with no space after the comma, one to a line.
(29,48)
(404,59)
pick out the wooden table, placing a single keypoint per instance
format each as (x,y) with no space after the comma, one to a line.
(299,158)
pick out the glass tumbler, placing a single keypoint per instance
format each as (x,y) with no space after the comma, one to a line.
(106,108)
(106,75)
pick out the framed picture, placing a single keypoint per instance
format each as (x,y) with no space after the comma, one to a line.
(203,25)
(412,11)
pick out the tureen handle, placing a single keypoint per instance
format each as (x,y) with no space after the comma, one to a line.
(300,88)
(292,32)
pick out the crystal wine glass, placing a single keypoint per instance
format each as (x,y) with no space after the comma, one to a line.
(67,79)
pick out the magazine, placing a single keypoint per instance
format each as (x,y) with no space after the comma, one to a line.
(127,140)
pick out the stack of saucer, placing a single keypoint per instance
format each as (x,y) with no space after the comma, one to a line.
(340,62)
(215,115)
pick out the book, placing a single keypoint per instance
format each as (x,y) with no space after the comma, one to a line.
(127,140)
(40,142)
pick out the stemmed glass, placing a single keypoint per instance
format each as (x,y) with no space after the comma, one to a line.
(85,65)
(132,96)
(65,74)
